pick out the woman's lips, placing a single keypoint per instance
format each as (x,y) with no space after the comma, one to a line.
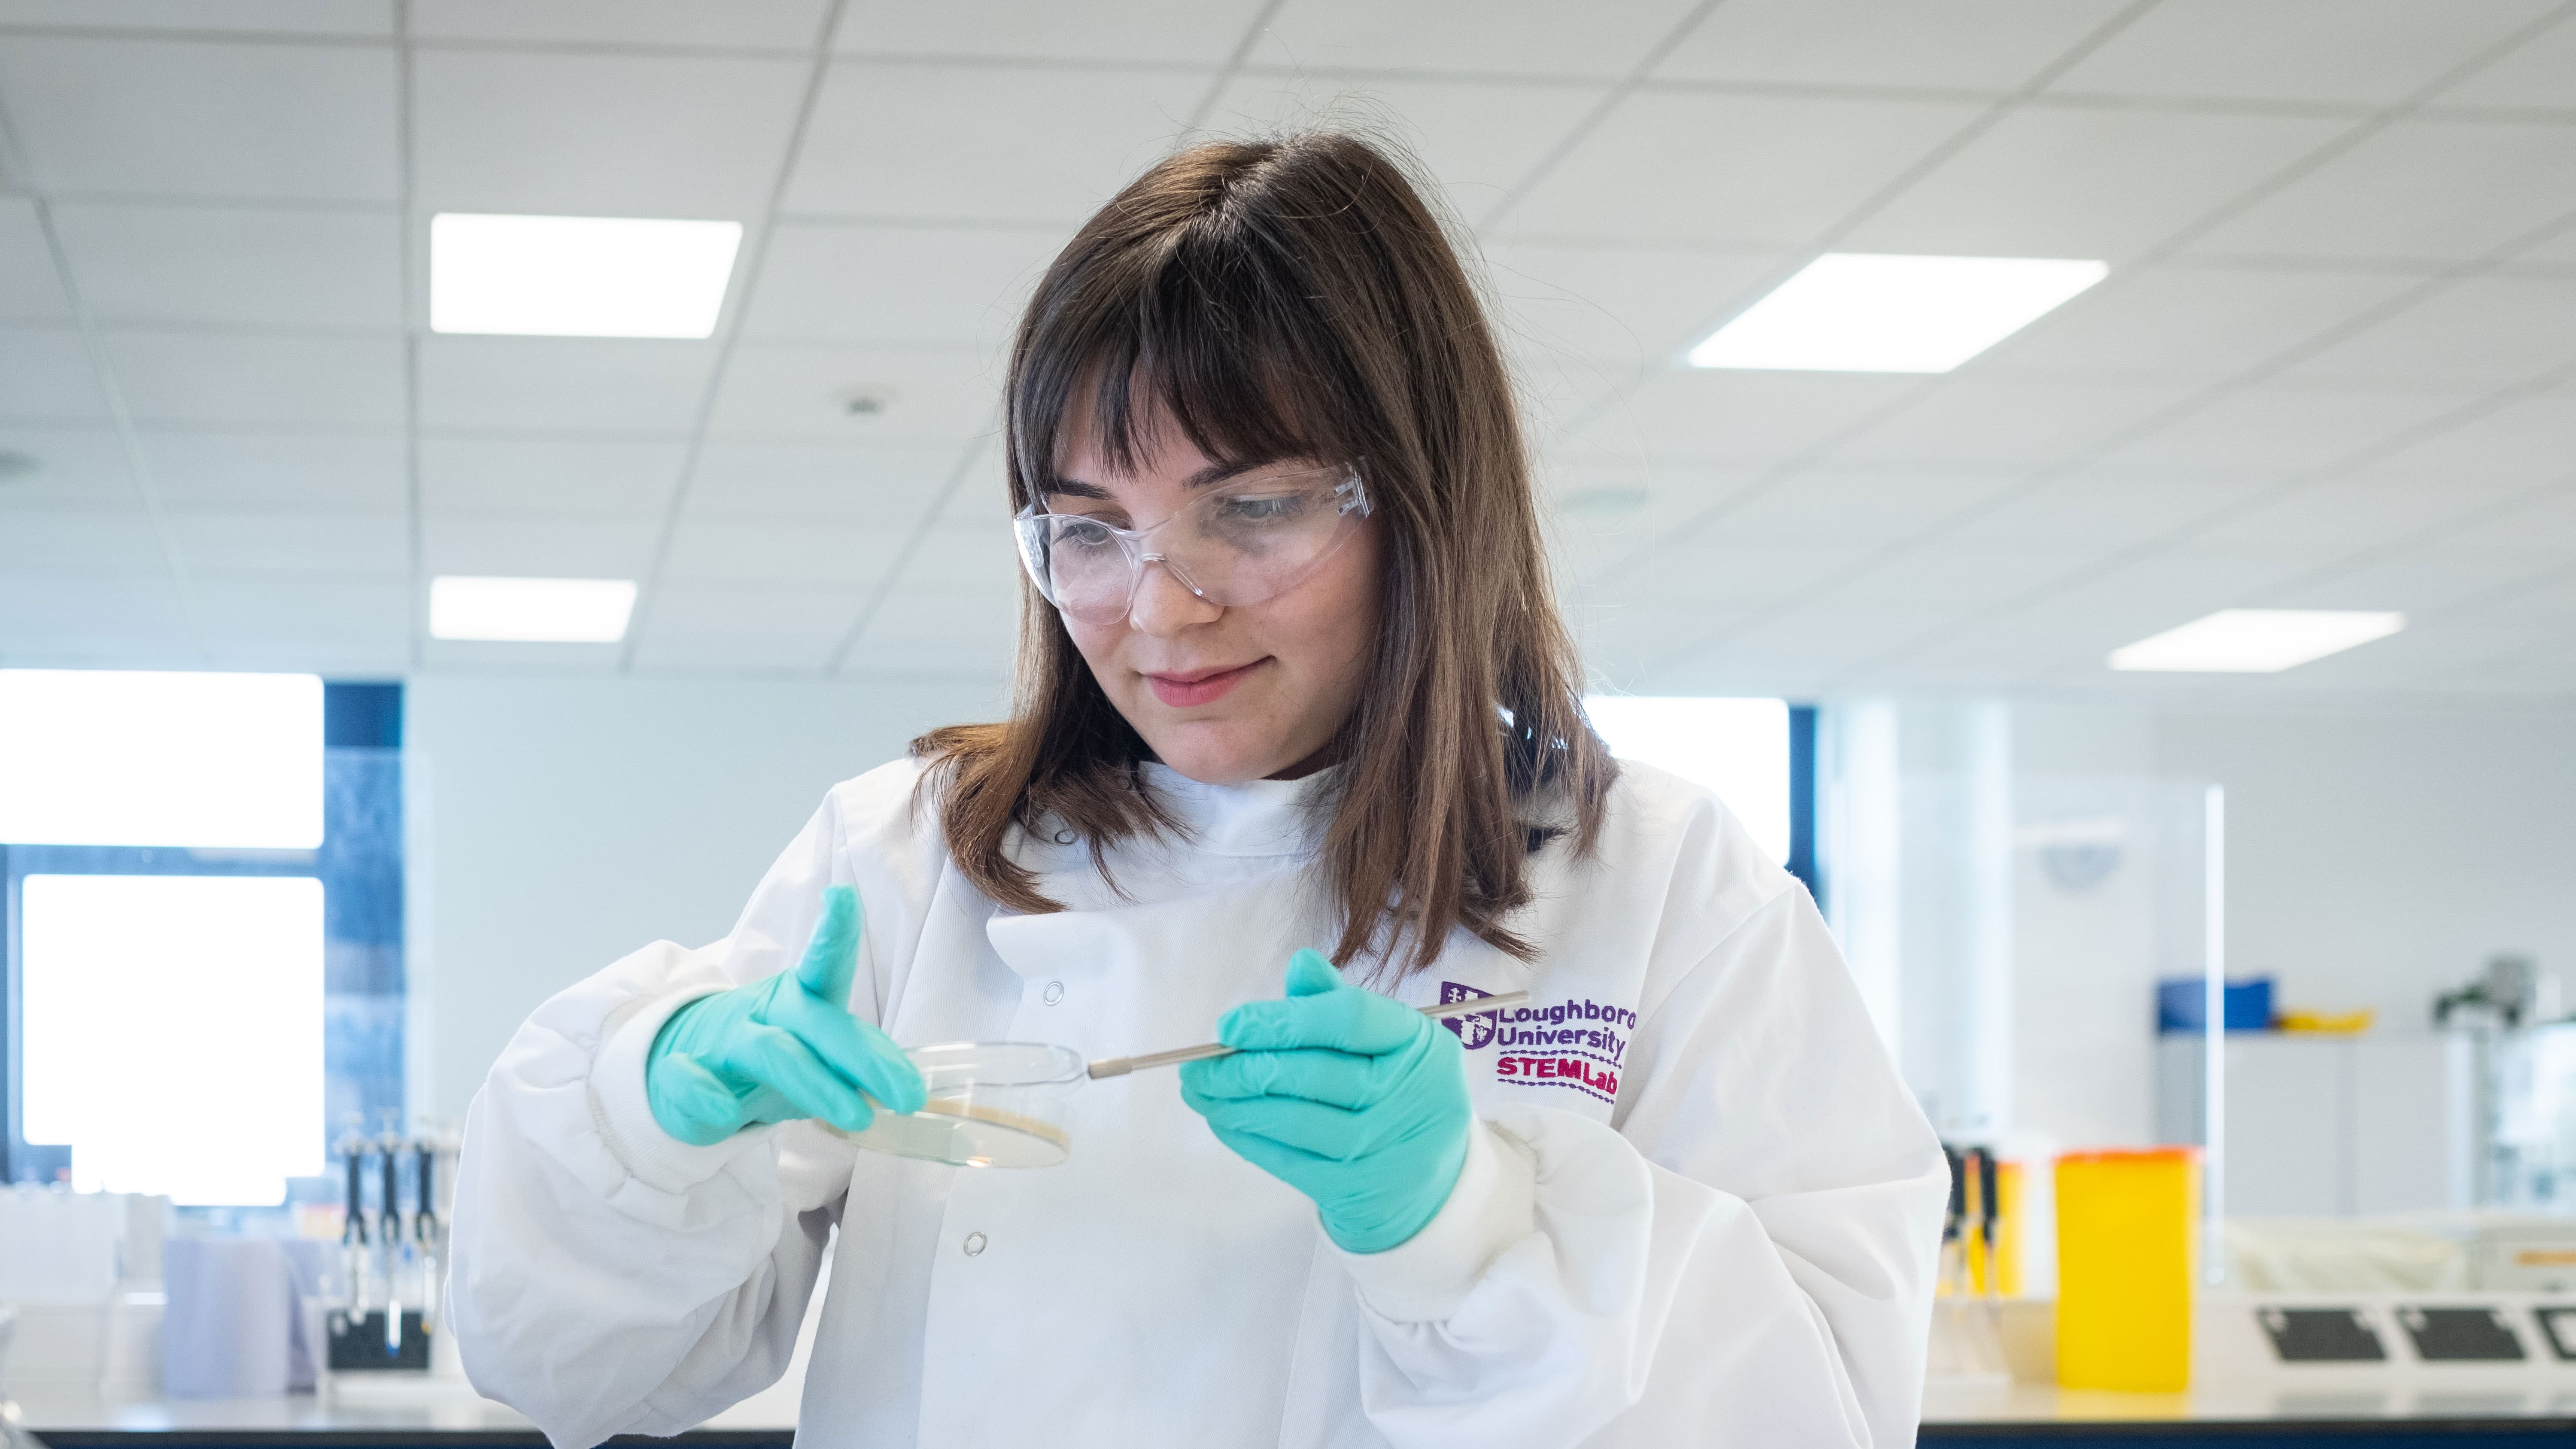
(1180,691)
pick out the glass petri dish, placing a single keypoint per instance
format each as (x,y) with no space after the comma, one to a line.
(991,1104)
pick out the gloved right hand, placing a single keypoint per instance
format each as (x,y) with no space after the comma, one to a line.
(780,1049)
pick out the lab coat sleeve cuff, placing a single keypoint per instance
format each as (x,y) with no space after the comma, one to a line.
(624,1114)
(1424,1278)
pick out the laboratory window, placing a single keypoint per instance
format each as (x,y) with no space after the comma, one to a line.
(202,887)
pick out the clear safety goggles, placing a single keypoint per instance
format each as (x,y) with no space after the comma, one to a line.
(1240,544)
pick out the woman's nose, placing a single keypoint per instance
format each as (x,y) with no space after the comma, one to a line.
(1163,606)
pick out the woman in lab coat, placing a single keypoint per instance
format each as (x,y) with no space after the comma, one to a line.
(1290,677)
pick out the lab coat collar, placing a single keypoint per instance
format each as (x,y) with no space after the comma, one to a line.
(1258,817)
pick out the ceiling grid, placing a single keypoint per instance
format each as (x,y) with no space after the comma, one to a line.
(2331,362)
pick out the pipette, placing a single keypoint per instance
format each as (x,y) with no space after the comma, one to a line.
(1121,1066)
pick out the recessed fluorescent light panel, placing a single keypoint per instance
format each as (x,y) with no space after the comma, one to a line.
(1859,312)
(578,276)
(2256,641)
(531,611)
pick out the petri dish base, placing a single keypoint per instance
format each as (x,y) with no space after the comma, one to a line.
(991,1104)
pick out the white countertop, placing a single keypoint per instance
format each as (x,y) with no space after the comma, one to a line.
(444,1406)
(2020,1403)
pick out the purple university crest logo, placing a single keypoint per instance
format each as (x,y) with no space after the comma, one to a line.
(1473,1031)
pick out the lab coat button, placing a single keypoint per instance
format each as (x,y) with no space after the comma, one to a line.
(974,1244)
(1054,992)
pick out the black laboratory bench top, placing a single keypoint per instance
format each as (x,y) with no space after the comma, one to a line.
(2020,1417)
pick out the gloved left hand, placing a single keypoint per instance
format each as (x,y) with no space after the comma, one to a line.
(1357,1101)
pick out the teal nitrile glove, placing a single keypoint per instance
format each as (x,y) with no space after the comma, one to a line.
(1356,1101)
(779,1049)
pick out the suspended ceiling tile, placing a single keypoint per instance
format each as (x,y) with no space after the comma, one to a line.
(827,483)
(2412,584)
(2539,72)
(1558,391)
(697,626)
(2282,430)
(2340,517)
(1612,311)
(318,17)
(251,266)
(2191,321)
(2485,331)
(914,395)
(742,24)
(45,375)
(271,541)
(2010,423)
(169,118)
(965,555)
(544,660)
(983,143)
(559,477)
(1729,415)
(727,551)
(1478,139)
(2440,188)
(2057,181)
(903,285)
(71,465)
(930,626)
(2105,507)
(565,548)
(1175,32)
(2542,528)
(53,619)
(2362,52)
(1721,570)
(1875,506)
(563,384)
(1496,37)
(278,470)
(93,542)
(1610,507)
(556,134)
(1922,586)
(259,381)
(1985,45)
(297,610)
(2528,440)
(31,290)
(1752,171)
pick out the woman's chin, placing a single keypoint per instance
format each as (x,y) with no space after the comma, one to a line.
(1206,754)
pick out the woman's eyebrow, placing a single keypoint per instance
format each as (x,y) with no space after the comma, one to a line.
(1068,488)
(1215,473)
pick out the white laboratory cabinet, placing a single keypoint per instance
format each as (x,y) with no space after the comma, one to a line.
(2332,1126)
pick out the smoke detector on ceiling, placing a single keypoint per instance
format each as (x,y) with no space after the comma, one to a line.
(867,402)
(17,467)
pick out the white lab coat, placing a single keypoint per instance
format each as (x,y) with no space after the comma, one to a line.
(1699,1207)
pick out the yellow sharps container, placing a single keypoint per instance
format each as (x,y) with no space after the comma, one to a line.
(2127,1229)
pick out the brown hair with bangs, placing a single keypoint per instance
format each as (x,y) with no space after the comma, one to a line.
(1295,299)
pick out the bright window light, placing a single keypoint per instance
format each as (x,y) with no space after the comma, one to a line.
(174,1031)
(1857,312)
(578,276)
(1736,747)
(2256,641)
(113,757)
(531,611)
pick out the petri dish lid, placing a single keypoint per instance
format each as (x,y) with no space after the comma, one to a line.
(991,1104)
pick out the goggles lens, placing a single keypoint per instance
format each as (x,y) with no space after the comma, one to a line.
(1242,544)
